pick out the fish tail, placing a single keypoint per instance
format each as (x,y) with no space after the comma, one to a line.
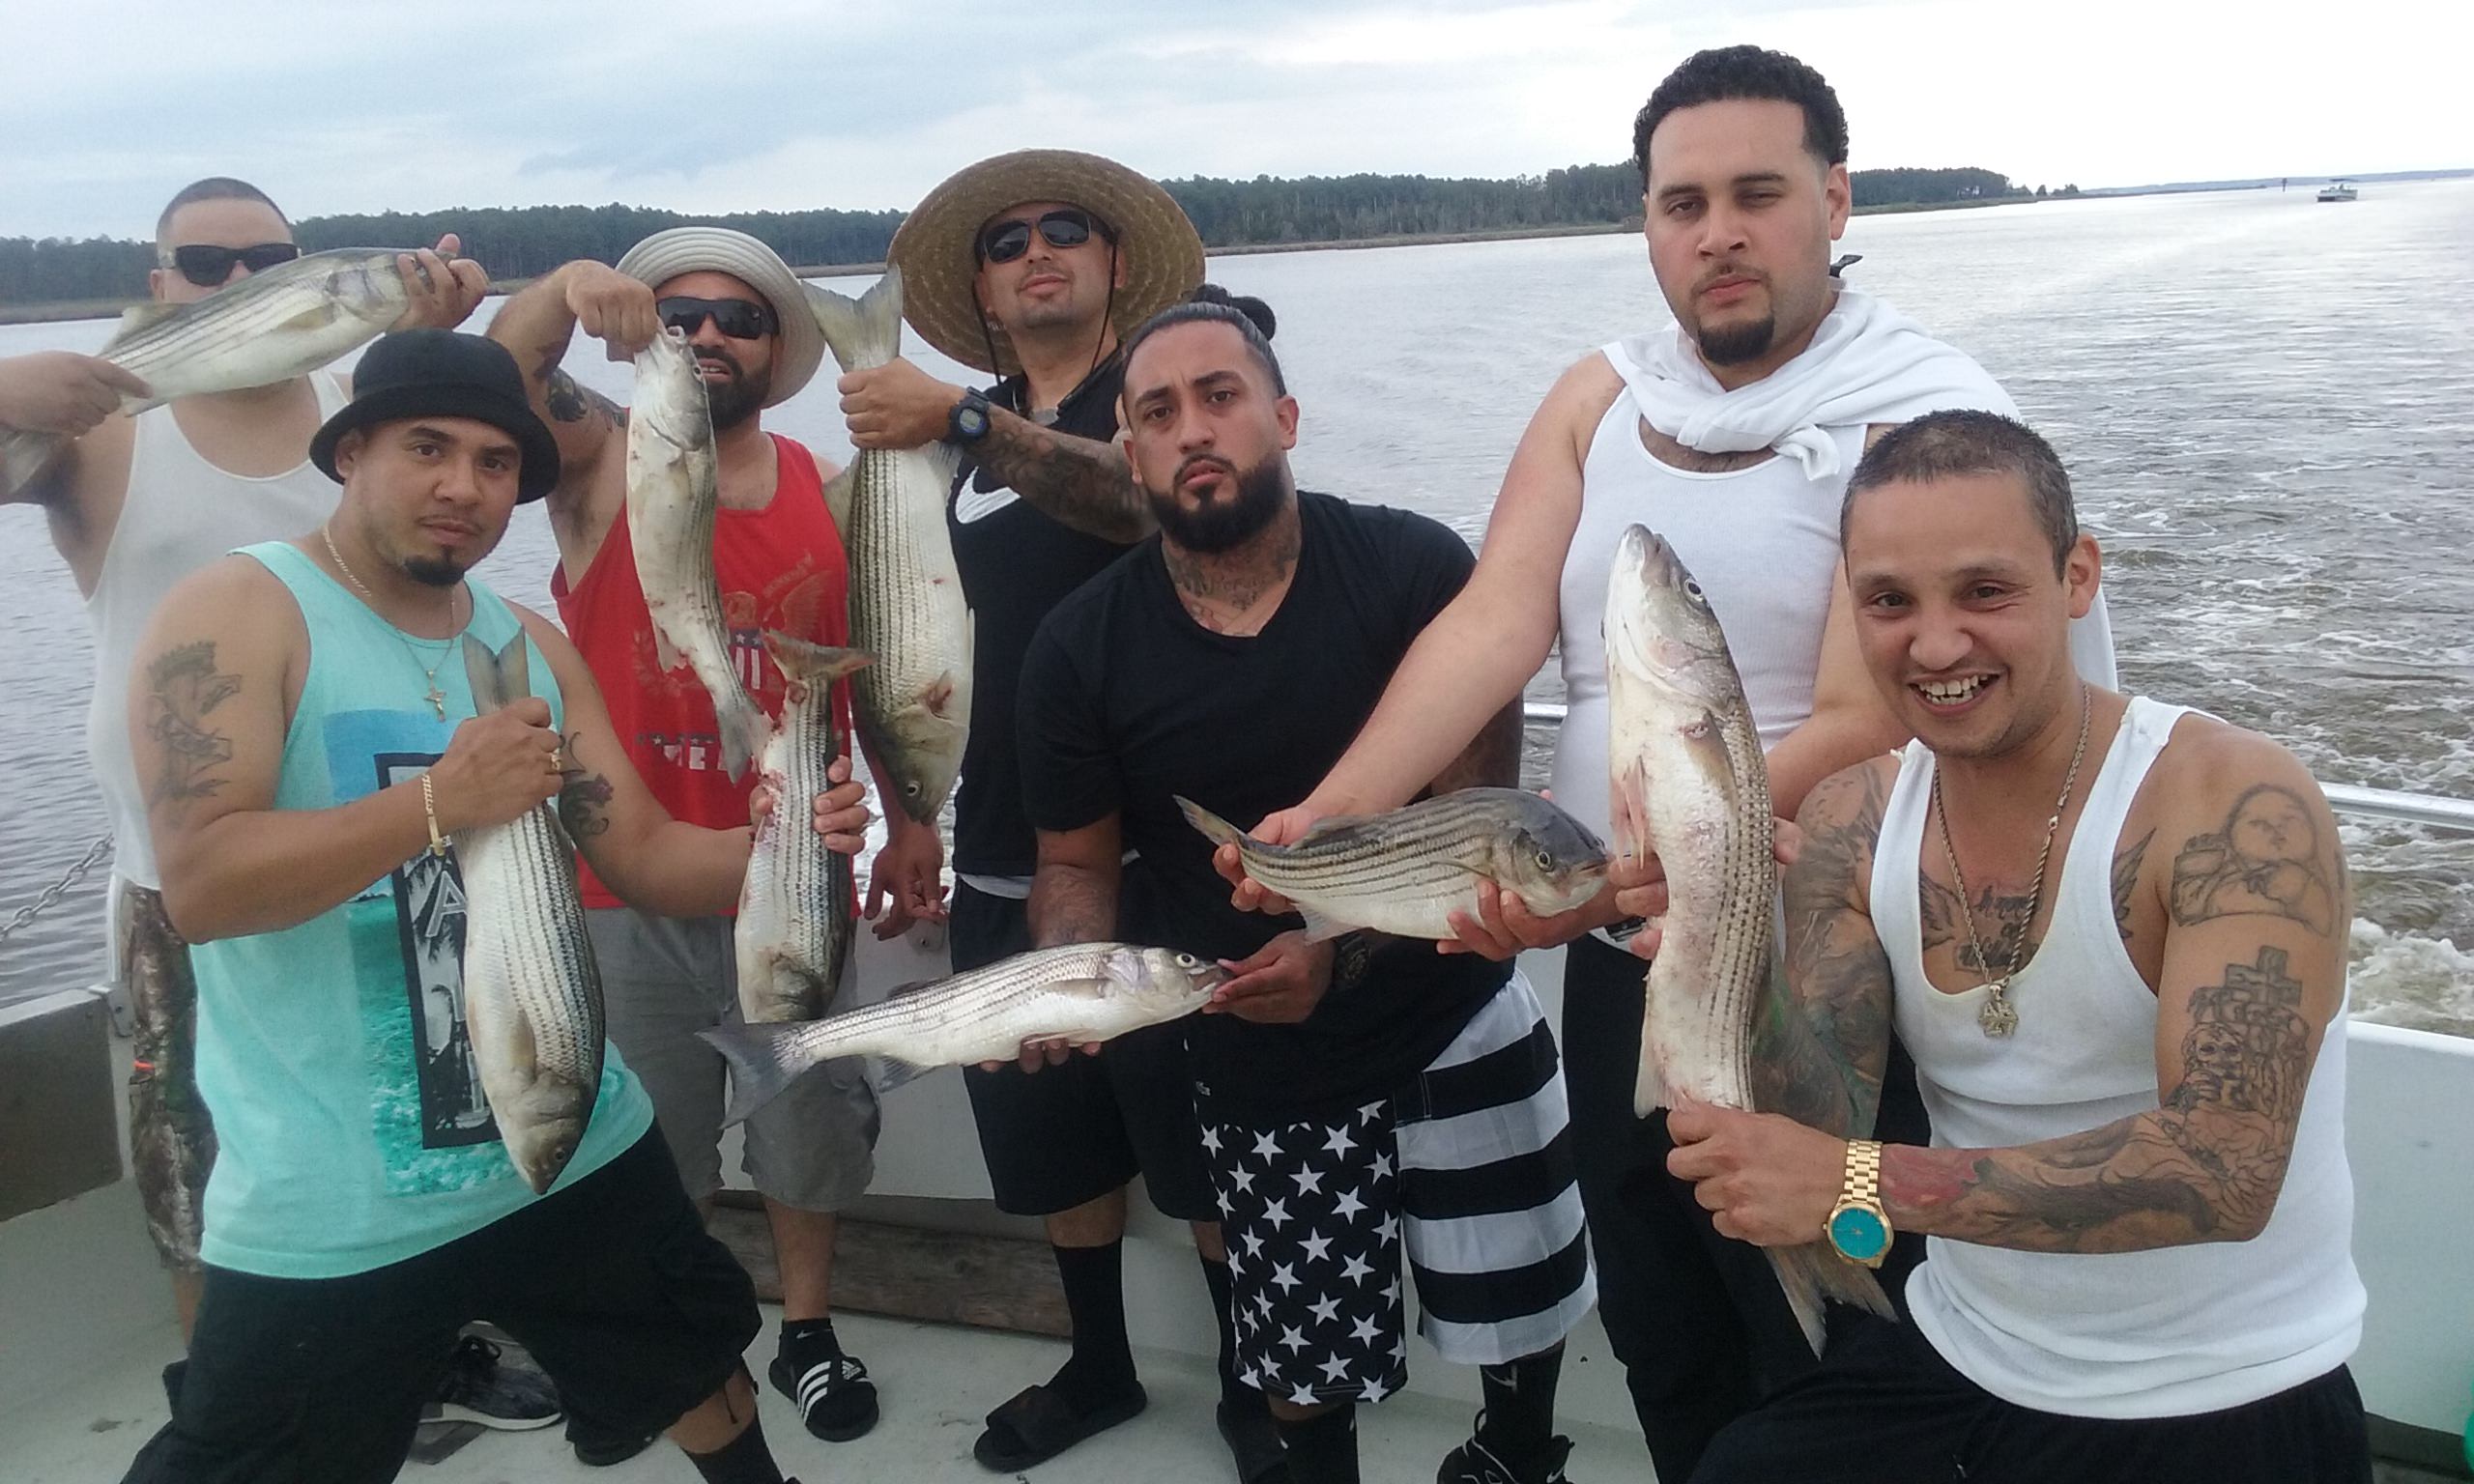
(866,332)
(760,1064)
(498,679)
(1812,1274)
(1218,831)
(812,664)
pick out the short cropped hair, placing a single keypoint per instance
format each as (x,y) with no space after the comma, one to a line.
(1753,73)
(1964,442)
(214,188)
(1208,312)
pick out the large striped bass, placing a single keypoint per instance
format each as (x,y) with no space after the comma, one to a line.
(794,911)
(1086,992)
(1688,781)
(907,605)
(531,992)
(1406,872)
(673,490)
(268,328)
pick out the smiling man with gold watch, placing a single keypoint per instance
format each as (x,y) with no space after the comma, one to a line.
(2126,1012)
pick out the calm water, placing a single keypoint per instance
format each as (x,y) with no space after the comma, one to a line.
(2267,405)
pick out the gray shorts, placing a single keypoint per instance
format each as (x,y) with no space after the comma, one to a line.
(663,979)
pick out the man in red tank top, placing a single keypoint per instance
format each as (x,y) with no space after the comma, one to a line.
(779,562)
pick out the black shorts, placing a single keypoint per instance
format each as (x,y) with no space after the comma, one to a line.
(612,1284)
(1066,1134)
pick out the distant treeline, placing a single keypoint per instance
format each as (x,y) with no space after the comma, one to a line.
(522,241)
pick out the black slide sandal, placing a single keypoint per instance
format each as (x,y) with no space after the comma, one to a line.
(1038,1424)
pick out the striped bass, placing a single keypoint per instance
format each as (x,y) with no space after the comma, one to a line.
(674,489)
(1086,992)
(268,328)
(531,992)
(1406,872)
(907,605)
(794,911)
(1689,782)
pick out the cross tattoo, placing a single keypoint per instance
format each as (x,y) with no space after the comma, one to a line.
(2267,979)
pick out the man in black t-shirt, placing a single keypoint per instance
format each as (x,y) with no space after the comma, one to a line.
(1418,1106)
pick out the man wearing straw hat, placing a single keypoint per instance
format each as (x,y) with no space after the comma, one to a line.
(779,564)
(1032,266)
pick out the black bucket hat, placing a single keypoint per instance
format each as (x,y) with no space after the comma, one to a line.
(439,373)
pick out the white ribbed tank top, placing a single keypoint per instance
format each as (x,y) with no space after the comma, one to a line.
(2168,1332)
(181,514)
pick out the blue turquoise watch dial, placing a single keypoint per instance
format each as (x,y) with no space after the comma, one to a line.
(1858,1235)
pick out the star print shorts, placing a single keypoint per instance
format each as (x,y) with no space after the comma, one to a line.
(1469,1169)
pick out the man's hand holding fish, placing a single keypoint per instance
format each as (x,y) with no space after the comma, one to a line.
(1765,1179)
(1279,983)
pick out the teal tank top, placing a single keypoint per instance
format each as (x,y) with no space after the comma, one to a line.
(348,1110)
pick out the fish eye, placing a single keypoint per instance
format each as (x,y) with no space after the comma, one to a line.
(1188,962)
(1693,587)
(1546,861)
(911,788)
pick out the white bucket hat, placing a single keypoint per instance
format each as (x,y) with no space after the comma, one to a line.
(679,250)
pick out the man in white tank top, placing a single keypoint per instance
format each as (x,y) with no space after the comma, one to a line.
(2126,1012)
(1731,435)
(134,506)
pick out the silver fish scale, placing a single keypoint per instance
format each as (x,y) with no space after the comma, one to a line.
(1417,855)
(907,605)
(526,952)
(997,1008)
(1730,877)
(302,314)
(797,898)
(672,503)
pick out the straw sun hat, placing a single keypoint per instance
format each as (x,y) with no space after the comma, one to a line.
(1161,253)
(667,256)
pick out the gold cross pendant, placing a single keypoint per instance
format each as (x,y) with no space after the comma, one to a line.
(437,700)
(1997,1018)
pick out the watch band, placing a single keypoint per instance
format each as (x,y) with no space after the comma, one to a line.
(1863,1173)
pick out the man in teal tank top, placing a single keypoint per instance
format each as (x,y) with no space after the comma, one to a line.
(303,718)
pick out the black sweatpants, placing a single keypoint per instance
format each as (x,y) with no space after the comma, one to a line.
(1697,1320)
(1887,1409)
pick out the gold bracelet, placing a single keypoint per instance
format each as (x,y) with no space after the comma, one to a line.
(429,812)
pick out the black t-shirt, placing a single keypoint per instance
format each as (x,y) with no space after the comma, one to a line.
(1126,701)
(1017,563)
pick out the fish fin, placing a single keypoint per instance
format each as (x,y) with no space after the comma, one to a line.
(139,317)
(911,988)
(1648,1089)
(25,455)
(1218,831)
(757,1073)
(1631,808)
(862,332)
(665,653)
(745,730)
(812,664)
(892,1071)
(1328,825)
(1319,927)
(945,460)
(498,679)
(841,491)
(1814,1274)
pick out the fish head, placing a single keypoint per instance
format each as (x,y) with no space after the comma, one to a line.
(922,751)
(541,1145)
(1552,861)
(1661,629)
(1164,978)
(669,394)
(364,285)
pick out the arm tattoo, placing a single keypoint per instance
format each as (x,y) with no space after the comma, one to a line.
(2270,859)
(2126,864)
(571,401)
(185,687)
(1819,1053)
(584,800)
(2206,1167)
(1079,482)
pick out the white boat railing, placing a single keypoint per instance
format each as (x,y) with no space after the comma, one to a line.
(2385,803)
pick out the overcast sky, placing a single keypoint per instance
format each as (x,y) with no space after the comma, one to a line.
(335,107)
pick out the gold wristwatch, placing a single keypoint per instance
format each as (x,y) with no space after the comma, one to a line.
(1858,1225)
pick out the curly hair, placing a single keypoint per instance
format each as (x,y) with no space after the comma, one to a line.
(1749,72)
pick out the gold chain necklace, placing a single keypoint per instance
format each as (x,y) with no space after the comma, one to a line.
(1998,1018)
(436,698)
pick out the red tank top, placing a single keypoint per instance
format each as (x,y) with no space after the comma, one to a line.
(781,568)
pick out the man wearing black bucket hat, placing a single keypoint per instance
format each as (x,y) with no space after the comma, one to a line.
(1032,266)
(779,562)
(312,750)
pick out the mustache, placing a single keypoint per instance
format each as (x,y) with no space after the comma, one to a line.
(722,358)
(1728,270)
(1205,460)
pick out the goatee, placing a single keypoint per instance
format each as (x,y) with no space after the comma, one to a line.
(1735,344)
(433,571)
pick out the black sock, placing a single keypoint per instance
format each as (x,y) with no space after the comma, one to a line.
(1322,1449)
(1519,1419)
(1101,1367)
(1232,1391)
(808,1342)
(743,1460)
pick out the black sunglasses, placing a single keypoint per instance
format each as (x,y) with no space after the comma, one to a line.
(1065,227)
(209,266)
(737,318)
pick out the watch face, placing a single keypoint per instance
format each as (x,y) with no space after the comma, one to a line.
(972,421)
(1858,1235)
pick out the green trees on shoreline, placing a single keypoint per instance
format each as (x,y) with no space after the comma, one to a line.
(521,242)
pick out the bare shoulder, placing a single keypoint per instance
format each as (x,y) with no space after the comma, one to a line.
(1841,821)
(2249,831)
(1851,798)
(233,593)
(1583,393)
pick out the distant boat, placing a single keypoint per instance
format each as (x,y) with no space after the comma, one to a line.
(2337,190)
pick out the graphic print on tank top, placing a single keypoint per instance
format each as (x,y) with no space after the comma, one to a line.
(428,1115)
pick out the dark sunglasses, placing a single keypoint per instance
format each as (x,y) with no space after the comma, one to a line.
(1064,227)
(209,266)
(737,318)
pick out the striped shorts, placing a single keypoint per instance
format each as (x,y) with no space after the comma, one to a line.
(1469,1169)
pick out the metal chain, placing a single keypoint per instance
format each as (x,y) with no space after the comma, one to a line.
(52,894)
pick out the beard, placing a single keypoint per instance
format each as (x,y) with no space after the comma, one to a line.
(433,571)
(1734,345)
(737,398)
(1225,524)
